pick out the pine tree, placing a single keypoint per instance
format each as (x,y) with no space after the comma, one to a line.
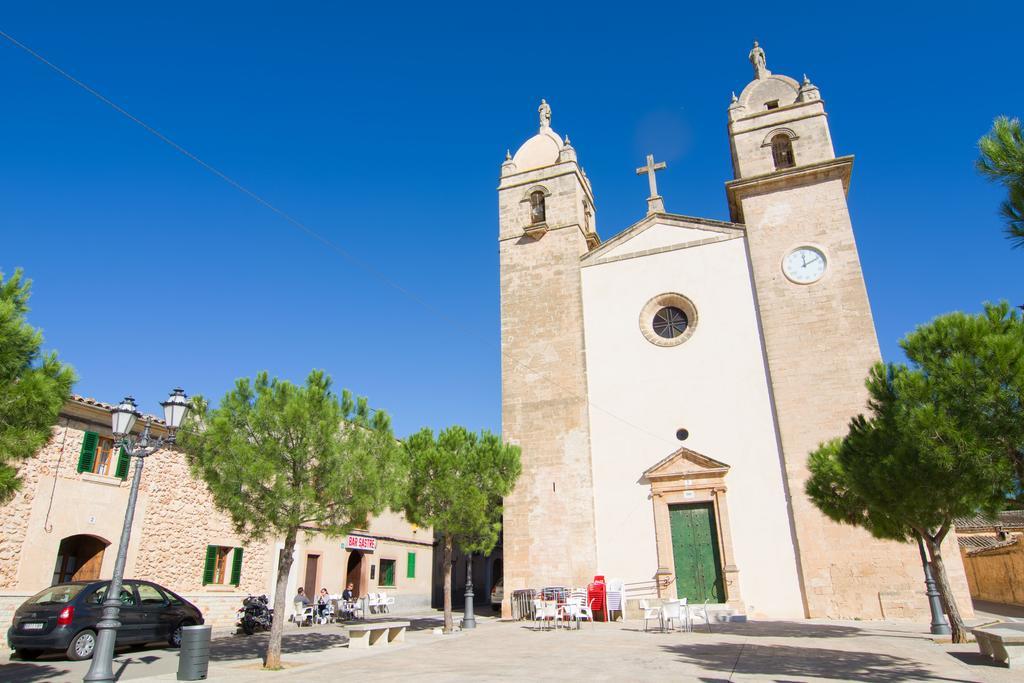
(943,438)
(1002,160)
(456,486)
(278,457)
(33,385)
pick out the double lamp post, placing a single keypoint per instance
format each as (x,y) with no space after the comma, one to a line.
(123,419)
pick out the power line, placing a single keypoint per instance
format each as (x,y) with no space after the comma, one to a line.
(295,222)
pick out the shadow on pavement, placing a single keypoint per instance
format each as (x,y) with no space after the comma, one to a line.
(780,661)
(26,673)
(782,629)
(976,659)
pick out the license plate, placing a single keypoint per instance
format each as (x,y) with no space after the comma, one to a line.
(32,627)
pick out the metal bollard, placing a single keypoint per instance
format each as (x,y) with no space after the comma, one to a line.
(194,653)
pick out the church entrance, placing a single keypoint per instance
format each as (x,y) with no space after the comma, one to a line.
(698,568)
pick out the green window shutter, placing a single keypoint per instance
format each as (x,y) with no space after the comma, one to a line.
(211,564)
(122,464)
(411,571)
(88,455)
(236,567)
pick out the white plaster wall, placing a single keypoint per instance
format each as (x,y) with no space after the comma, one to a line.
(714,385)
(659,235)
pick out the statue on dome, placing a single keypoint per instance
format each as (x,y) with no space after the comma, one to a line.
(545,114)
(757,58)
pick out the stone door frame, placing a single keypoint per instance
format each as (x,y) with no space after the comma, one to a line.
(685,478)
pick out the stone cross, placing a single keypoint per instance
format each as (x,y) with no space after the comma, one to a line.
(654,202)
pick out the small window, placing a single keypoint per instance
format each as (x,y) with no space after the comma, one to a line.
(782,152)
(670,322)
(773,104)
(387,573)
(103,463)
(537,210)
(216,566)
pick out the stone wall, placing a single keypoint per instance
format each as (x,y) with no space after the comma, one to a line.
(996,574)
(549,533)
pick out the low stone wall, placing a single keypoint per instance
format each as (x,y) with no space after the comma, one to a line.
(997,574)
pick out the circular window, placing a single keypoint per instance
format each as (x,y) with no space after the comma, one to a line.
(670,322)
(682,434)
(668,319)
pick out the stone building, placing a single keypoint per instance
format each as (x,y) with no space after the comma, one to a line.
(667,384)
(66,521)
(992,549)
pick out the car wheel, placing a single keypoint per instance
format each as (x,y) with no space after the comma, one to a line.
(82,646)
(27,655)
(174,640)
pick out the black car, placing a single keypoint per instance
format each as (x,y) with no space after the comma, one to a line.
(64,617)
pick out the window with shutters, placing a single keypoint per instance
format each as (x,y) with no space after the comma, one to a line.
(101,455)
(223,565)
(387,573)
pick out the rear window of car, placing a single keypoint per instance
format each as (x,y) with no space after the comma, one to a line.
(57,595)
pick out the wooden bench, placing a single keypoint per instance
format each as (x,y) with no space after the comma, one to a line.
(376,633)
(1002,642)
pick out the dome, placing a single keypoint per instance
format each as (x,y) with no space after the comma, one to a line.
(775,87)
(539,151)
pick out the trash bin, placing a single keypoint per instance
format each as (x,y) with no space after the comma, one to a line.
(194,653)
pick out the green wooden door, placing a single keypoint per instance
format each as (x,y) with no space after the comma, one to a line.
(695,549)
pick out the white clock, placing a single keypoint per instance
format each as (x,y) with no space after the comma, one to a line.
(804,265)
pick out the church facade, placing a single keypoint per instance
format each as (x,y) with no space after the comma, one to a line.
(667,385)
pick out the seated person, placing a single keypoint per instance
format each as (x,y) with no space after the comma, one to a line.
(323,603)
(301,602)
(348,600)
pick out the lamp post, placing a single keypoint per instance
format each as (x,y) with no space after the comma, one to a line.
(940,627)
(123,419)
(468,618)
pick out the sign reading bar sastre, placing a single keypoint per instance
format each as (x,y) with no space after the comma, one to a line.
(367,543)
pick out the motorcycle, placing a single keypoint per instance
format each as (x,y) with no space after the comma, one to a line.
(255,614)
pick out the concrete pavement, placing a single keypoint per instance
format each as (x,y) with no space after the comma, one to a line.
(757,651)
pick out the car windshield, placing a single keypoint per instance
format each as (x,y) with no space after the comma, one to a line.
(57,595)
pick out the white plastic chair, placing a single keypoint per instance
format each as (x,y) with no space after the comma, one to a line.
(372,602)
(304,614)
(385,601)
(672,611)
(545,611)
(702,612)
(649,613)
(577,608)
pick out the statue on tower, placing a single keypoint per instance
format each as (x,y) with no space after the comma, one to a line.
(757,58)
(545,114)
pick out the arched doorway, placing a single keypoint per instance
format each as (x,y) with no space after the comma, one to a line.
(354,572)
(79,558)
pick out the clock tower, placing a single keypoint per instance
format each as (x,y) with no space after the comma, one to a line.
(819,337)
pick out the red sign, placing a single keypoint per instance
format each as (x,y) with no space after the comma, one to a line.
(366,543)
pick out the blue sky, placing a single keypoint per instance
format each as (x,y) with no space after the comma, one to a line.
(383,127)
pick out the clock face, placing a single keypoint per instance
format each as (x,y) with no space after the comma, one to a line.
(804,265)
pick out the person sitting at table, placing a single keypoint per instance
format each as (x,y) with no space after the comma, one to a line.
(348,599)
(323,602)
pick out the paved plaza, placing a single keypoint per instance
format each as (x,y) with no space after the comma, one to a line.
(756,651)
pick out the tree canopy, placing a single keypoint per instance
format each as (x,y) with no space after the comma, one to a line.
(456,485)
(1001,159)
(943,437)
(279,457)
(33,385)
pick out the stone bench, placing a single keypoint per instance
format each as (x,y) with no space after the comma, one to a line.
(376,633)
(1002,642)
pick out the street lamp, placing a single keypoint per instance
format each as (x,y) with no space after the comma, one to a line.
(122,419)
(940,627)
(468,618)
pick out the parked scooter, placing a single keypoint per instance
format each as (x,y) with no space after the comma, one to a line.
(255,614)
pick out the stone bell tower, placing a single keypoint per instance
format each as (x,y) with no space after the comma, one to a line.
(819,337)
(546,222)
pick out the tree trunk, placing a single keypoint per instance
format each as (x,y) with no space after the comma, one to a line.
(956,622)
(449,624)
(273,659)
